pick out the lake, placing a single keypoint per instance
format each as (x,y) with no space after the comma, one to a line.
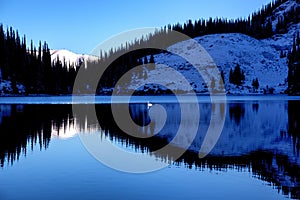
(47,151)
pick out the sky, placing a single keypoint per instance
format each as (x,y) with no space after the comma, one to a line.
(80,26)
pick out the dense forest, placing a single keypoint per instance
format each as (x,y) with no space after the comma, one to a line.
(294,66)
(257,25)
(32,67)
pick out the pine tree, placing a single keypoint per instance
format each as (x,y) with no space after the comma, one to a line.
(237,76)
(294,67)
(255,84)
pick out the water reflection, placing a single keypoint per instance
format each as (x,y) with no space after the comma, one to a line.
(24,126)
(237,112)
(262,137)
(293,125)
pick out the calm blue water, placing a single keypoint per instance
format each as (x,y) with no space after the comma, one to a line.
(137,99)
(256,157)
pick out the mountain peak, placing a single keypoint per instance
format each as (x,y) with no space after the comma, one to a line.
(70,58)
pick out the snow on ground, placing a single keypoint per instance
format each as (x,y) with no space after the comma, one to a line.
(257,58)
(283,41)
(280,10)
(6,88)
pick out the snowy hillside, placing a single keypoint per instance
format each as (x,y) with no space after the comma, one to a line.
(279,11)
(71,58)
(257,58)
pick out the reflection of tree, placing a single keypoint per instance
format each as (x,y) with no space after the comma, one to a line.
(294,123)
(267,166)
(140,115)
(255,107)
(236,112)
(31,125)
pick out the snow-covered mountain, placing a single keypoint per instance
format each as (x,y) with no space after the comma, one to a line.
(71,58)
(280,10)
(259,59)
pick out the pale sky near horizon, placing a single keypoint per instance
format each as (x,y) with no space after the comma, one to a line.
(81,26)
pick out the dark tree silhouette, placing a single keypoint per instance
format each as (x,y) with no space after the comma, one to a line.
(236,76)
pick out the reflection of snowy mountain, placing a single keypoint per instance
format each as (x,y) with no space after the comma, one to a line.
(261,134)
(255,139)
(249,127)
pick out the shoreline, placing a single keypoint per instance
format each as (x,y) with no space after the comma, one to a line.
(89,99)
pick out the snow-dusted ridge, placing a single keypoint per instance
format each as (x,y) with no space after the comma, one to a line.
(71,58)
(257,58)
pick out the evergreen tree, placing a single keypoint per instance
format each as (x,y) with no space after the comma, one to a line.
(294,67)
(255,84)
(237,76)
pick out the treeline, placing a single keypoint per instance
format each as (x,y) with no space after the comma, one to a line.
(294,67)
(29,126)
(31,66)
(258,25)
